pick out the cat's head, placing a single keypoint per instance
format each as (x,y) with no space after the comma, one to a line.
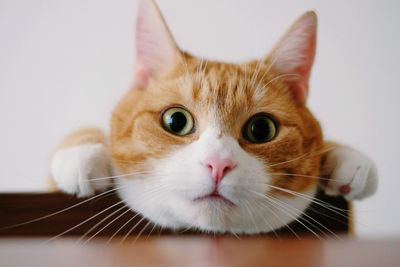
(217,146)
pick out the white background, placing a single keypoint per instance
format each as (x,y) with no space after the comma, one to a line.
(64,64)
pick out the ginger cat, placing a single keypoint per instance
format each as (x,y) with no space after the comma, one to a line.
(214,146)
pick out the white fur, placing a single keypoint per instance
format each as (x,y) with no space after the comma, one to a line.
(167,194)
(73,169)
(167,197)
(346,166)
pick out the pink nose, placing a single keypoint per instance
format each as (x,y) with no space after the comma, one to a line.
(219,167)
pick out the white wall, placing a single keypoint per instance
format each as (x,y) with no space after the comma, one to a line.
(65,63)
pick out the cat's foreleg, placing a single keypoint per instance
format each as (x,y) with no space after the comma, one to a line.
(82,164)
(351,173)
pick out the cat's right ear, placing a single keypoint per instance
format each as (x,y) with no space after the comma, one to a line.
(293,56)
(156,50)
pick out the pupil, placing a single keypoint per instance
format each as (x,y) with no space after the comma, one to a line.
(260,129)
(177,121)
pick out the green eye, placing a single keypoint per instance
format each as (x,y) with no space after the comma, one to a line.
(259,129)
(177,121)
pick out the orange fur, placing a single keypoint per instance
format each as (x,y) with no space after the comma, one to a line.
(84,136)
(231,92)
(221,96)
(208,89)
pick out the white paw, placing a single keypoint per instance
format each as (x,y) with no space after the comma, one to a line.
(80,169)
(350,173)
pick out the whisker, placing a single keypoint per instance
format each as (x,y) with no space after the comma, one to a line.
(304,196)
(233,233)
(60,211)
(141,231)
(322,204)
(249,211)
(151,231)
(131,230)
(155,224)
(300,175)
(123,226)
(287,212)
(81,223)
(316,200)
(120,175)
(280,219)
(100,222)
(269,67)
(255,72)
(304,155)
(313,199)
(152,191)
(185,66)
(199,67)
(288,209)
(108,224)
(308,216)
(279,77)
(267,222)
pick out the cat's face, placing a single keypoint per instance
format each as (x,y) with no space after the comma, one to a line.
(215,146)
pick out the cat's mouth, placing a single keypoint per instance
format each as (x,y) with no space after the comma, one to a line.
(214,196)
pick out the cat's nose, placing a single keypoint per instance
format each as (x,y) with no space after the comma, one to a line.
(218,167)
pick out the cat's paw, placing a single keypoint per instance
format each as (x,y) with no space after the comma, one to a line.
(351,174)
(82,169)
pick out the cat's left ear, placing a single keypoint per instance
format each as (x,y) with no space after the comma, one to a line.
(156,50)
(293,56)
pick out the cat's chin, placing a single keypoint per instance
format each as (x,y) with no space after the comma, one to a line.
(219,216)
(214,213)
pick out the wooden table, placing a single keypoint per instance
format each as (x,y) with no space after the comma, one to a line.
(45,230)
(198,251)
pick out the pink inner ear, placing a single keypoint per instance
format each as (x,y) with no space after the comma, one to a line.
(142,77)
(300,88)
(308,52)
(295,55)
(299,91)
(155,48)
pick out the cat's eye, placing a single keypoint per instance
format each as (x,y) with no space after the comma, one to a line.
(178,121)
(260,129)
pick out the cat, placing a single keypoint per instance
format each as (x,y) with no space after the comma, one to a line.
(217,147)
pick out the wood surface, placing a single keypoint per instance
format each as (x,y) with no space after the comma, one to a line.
(53,230)
(198,251)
